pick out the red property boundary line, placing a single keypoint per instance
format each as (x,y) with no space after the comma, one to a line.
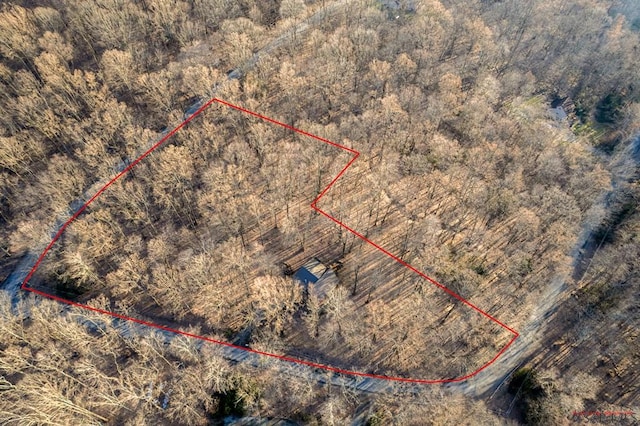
(356,154)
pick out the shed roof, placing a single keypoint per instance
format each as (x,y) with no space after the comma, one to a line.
(558,113)
(305,276)
(322,277)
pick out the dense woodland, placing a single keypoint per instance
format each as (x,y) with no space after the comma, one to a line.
(463,173)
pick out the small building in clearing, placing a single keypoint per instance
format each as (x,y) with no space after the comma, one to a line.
(562,110)
(317,278)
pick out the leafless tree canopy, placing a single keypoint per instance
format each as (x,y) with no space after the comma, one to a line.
(463,173)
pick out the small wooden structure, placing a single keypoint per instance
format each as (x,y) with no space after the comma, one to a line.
(562,110)
(317,278)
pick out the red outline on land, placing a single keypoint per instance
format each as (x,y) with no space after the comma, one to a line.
(356,154)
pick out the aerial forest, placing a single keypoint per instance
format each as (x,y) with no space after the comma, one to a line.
(498,154)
